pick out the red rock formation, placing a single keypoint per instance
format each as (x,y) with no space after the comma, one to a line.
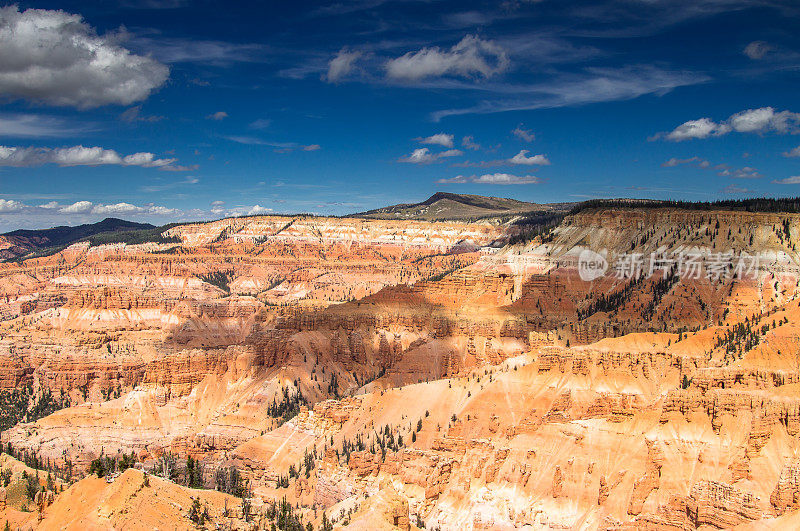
(721,505)
(649,481)
(786,495)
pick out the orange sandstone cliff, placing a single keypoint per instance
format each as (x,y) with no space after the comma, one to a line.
(405,374)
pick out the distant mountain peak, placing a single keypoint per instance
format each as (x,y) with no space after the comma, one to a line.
(23,241)
(448,206)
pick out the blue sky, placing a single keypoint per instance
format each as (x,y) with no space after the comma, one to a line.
(175,110)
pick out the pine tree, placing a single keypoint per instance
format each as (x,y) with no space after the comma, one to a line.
(326,524)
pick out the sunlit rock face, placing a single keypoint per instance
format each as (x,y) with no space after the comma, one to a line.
(402,373)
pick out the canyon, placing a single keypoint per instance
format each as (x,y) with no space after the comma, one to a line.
(373,373)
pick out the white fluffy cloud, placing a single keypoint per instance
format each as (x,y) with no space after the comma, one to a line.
(523,158)
(217,207)
(702,128)
(87,207)
(55,57)
(15,214)
(492,178)
(258,209)
(77,156)
(520,159)
(471,57)
(741,173)
(341,65)
(425,156)
(255,210)
(439,139)
(419,156)
(9,205)
(762,120)
(117,208)
(78,207)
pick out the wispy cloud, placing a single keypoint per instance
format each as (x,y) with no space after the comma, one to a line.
(795,179)
(723,170)
(757,50)
(153,4)
(439,139)
(134,114)
(491,178)
(189,180)
(794,152)
(425,156)
(280,147)
(646,18)
(209,52)
(671,163)
(520,159)
(38,126)
(261,123)
(468,142)
(734,189)
(472,56)
(178,167)
(593,85)
(342,64)
(524,134)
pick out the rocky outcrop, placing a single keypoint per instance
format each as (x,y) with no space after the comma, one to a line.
(763,413)
(558,482)
(651,479)
(364,463)
(721,505)
(43,499)
(786,495)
